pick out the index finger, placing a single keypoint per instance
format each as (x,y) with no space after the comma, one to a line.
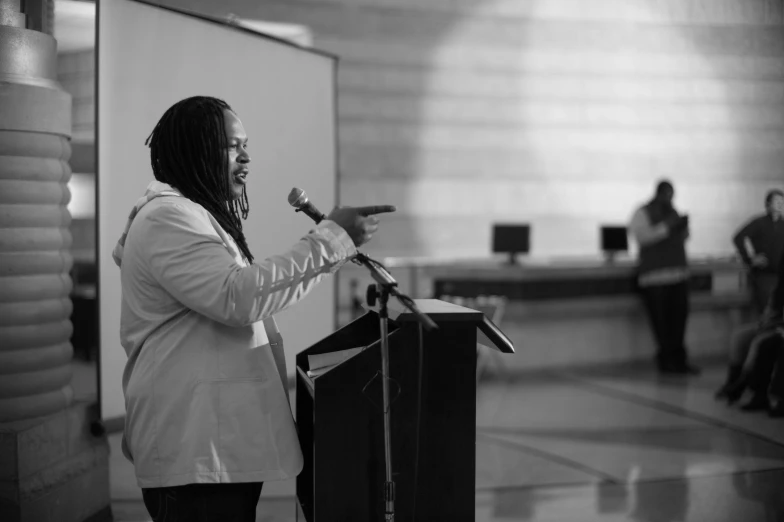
(375,209)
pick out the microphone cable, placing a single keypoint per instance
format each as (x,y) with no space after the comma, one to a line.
(420,380)
(407,301)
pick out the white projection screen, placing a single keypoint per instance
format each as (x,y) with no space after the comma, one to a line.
(151,57)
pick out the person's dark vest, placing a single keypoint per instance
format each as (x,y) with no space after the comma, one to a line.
(670,252)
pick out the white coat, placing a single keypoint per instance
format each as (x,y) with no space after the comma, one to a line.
(205,382)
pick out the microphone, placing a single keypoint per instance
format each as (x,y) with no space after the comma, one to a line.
(299,200)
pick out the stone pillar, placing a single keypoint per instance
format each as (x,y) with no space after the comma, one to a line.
(51,467)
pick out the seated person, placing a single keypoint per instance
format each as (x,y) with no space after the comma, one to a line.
(753,352)
(776,388)
(765,374)
(765,370)
(745,339)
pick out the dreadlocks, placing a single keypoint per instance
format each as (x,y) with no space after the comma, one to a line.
(188,150)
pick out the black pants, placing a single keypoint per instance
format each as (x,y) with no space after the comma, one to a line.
(777,378)
(203,502)
(762,285)
(765,364)
(668,311)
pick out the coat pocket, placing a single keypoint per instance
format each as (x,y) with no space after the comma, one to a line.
(256,429)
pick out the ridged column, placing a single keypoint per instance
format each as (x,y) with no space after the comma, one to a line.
(35,128)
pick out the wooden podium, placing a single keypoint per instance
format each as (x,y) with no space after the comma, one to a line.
(340,418)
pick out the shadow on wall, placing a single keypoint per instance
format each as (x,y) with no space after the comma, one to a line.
(548,112)
(562,118)
(566,118)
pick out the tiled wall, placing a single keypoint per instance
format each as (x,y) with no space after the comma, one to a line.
(561,113)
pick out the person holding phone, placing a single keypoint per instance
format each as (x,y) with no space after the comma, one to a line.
(663,277)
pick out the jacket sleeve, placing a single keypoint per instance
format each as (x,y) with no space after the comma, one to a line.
(739,240)
(189,260)
(645,233)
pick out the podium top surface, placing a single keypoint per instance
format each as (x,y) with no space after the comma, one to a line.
(436,309)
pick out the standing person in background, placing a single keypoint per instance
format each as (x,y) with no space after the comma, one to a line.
(760,244)
(664,277)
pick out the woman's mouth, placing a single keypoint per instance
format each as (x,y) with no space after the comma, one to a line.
(240,177)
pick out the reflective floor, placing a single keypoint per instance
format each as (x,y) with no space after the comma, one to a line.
(602,445)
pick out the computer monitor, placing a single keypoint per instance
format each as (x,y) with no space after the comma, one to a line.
(511,239)
(614,239)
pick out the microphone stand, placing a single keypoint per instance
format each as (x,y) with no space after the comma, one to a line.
(387,286)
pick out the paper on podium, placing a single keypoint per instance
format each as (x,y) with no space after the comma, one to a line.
(321,363)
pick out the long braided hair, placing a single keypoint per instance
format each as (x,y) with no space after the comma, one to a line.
(188,150)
